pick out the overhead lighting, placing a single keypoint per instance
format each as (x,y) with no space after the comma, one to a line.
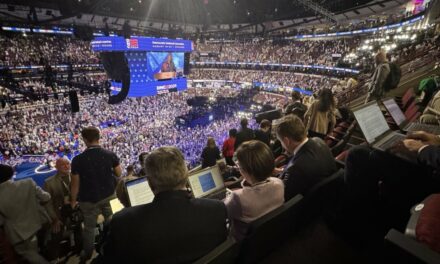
(131,9)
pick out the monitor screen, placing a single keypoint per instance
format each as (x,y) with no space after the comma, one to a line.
(395,111)
(116,205)
(139,192)
(206,181)
(371,121)
(165,65)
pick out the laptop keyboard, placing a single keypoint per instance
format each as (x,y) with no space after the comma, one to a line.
(218,195)
(424,127)
(391,141)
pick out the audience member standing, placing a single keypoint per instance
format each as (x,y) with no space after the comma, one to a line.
(376,88)
(263,134)
(94,177)
(174,228)
(210,154)
(311,160)
(296,107)
(22,214)
(228,147)
(58,186)
(245,133)
(260,193)
(320,118)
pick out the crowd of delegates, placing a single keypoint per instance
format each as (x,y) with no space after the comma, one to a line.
(92,185)
(135,126)
(370,22)
(39,48)
(284,79)
(294,52)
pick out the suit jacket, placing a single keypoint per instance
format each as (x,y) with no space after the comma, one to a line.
(172,229)
(263,136)
(55,187)
(430,156)
(312,163)
(20,208)
(243,135)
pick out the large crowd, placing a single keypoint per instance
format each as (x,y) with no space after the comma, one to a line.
(20,50)
(135,126)
(282,79)
(322,52)
(270,168)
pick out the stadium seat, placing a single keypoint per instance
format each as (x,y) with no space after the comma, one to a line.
(323,198)
(411,111)
(270,231)
(225,253)
(405,250)
(406,99)
(342,144)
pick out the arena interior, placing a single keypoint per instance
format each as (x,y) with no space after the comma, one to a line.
(232,131)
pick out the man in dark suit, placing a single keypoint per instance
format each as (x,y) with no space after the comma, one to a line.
(245,133)
(311,160)
(174,228)
(263,134)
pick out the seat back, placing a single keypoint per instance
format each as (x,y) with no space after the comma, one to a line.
(225,253)
(402,249)
(270,231)
(411,110)
(323,198)
(407,98)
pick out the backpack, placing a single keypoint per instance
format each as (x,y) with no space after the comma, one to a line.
(393,78)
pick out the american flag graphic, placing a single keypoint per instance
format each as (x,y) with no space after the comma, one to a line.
(132,43)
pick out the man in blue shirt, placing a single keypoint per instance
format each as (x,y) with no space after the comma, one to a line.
(93,183)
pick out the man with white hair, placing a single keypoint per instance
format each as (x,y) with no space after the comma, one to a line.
(58,186)
(174,228)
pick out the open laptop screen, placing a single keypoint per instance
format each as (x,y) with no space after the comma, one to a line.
(116,205)
(139,192)
(394,111)
(206,181)
(371,121)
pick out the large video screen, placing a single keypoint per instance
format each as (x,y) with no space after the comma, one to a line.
(165,65)
(153,73)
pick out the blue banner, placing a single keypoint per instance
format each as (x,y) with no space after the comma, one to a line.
(141,44)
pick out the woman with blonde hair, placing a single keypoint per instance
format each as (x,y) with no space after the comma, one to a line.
(210,153)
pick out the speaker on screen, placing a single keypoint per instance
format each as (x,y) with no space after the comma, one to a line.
(186,64)
(116,66)
(73,97)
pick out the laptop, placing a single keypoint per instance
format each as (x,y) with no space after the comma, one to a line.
(139,192)
(116,205)
(208,183)
(375,128)
(403,123)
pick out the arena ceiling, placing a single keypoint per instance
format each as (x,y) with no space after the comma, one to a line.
(203,12)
